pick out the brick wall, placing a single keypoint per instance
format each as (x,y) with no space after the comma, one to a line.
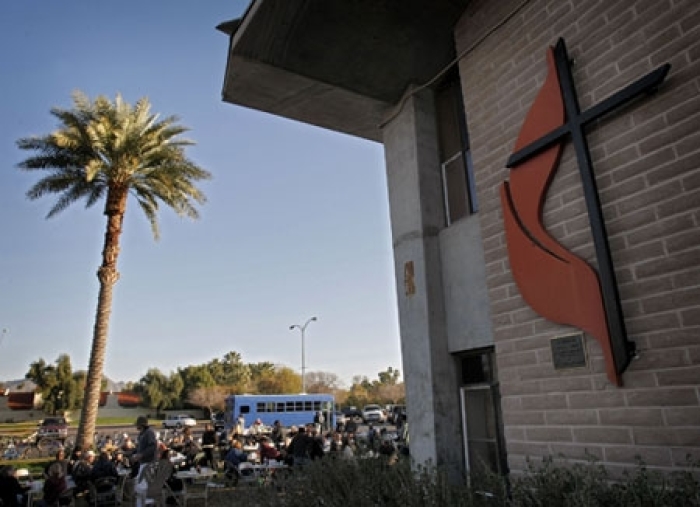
(647,162)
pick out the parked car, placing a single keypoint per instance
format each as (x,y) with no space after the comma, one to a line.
(373,413)
(352,412)
(55,428)
(218,422)
(179,421)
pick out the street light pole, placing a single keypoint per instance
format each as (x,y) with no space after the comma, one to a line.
(303,355)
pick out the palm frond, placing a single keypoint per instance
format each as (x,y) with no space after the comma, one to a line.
(101,144)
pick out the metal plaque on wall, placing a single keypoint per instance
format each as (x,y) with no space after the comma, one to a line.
(568,352)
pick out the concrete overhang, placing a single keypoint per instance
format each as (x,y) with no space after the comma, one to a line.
(337,64)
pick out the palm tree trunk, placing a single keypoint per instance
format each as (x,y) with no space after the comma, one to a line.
(108,276)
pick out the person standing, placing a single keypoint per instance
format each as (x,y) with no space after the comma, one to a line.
(145,451)
(240,425)
(208,443)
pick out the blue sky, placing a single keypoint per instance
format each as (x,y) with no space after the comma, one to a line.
(296,223)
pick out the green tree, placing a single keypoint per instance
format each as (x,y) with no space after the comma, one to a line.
(159,391)
(108,150)
(193,378)
(283,380)
(57,384)
(389,377)
(237,372)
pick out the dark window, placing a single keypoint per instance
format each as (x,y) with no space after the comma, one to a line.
(280,407)
(459,189)
(482,421)
(245,409)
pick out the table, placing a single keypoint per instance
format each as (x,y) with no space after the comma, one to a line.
(194,475)
(268,470)
(274,465)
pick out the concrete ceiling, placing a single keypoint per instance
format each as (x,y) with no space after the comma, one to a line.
(338,64)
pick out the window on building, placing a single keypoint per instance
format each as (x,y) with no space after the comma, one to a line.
(459,189)
(481,412)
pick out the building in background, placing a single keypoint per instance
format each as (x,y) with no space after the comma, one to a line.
(447,86)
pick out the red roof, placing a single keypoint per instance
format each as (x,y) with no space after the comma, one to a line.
(20,401)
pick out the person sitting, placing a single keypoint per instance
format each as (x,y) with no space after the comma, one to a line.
(257,428)
(300,448)
(351,425)
(82,473)
(268,451)
(75,456)
(128,447)
(10,488)
(104,467)
(336,443)
(56,491)
(234,457)
(189,447)
(120,460)
(60,460)
(108,446)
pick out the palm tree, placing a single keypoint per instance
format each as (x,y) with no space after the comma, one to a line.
(104,149)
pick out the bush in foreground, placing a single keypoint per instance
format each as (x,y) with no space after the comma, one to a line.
(371,482)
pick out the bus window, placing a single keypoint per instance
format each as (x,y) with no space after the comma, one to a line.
(280,407)
(290,406)
(299,406)
(245,409)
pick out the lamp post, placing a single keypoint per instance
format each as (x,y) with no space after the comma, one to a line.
(303,357)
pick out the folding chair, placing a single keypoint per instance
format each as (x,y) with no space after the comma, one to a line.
(247,472)
(195,491)
(104,492)
(169,493)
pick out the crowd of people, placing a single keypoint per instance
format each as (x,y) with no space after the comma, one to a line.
(91,471)
(297,446)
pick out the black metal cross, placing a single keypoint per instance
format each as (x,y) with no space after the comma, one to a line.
(576,121)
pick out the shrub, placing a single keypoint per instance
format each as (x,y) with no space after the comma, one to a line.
(372,482)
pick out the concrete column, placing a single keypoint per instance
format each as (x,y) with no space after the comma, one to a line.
(417,216)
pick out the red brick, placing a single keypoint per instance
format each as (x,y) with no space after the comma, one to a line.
(673,338)
(585,452)
(676,300)
(667,436)
(685,457)
(680,204)
(596,399)
(602,435)
(682,416)
(543,402)
(528,448)
(652,456)
(689,376)
(519,388)
(666,397)
(683,241)
(631,417)
(656,359)
(636,200)
(571,417)
(548,434)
